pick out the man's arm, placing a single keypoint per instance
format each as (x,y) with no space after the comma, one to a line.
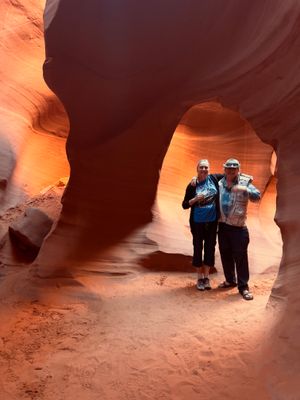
(218,176)
(254,194)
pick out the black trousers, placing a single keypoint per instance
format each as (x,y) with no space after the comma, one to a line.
(233,245)
(204,236)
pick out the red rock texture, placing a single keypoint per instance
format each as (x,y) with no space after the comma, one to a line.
(30,230)
(31,117)
(127,77)
(126,85)
(127,72)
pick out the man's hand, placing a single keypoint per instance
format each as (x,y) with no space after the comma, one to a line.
(239,188)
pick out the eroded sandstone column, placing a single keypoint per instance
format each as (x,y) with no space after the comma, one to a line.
(126,73)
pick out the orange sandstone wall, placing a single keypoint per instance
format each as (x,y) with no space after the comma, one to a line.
(214,132)
(31,118)
(127,71)
(128,76)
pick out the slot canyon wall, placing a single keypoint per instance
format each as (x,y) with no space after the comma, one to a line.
(31,117)
(127,73)
(127,77)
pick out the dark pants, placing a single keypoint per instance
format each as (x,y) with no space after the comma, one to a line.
(204,232)
(233,244)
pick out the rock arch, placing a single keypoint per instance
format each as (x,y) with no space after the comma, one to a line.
(212,131)
(126,92)
(126,73)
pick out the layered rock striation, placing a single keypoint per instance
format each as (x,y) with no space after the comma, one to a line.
(33,123)
(128,76)
(128,71)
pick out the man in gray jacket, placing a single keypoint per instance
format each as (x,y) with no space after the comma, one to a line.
(235,191)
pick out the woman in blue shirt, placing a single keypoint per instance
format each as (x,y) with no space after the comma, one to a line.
(202,198)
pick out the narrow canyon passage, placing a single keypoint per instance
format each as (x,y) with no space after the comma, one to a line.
(125,320)
(160,336)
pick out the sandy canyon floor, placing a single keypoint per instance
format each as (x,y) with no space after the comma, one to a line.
(140,336)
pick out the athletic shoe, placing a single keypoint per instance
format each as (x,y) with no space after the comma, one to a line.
(206,284)
(200,284)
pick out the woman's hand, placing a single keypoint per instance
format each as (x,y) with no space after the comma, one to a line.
(197,199)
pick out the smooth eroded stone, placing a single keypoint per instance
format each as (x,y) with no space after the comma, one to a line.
(7,162)
(29,231)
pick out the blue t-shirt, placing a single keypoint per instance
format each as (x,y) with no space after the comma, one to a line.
(206,210)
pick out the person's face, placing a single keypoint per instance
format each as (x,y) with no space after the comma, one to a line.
(202,170)
(231,173)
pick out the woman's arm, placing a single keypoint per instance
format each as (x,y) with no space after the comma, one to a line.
(190,197)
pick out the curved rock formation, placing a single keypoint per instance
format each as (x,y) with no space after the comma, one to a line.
(210,130)
(29,112)
(126,86)
(127,71)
